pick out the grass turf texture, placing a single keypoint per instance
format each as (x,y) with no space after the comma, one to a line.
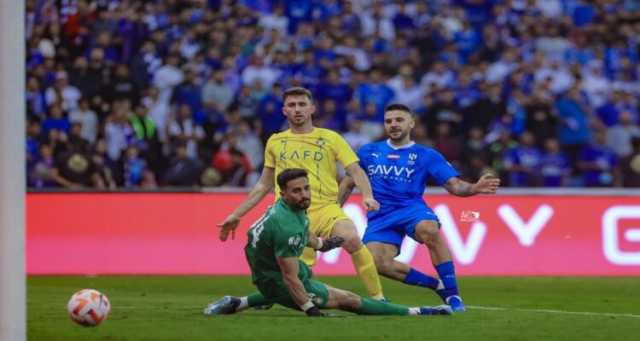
(170,308)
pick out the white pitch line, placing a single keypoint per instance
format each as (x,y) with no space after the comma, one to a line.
(553,311)
(475,307)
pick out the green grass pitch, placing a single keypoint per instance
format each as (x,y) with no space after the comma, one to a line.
(500,308)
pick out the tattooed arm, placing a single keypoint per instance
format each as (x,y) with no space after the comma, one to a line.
(487,184)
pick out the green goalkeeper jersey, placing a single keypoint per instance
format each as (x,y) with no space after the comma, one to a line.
(280,232)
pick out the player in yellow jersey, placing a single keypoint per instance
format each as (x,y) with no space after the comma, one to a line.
(316,150)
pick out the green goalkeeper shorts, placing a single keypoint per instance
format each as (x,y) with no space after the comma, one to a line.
(277,292)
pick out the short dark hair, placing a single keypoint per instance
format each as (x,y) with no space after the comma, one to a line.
(297,91)
(398,106)
(290,174)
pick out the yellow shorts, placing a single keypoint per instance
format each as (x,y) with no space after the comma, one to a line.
(321,222)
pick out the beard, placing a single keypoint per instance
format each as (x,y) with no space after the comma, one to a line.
(397,135)
(303,204)
(299,205)
(298,121)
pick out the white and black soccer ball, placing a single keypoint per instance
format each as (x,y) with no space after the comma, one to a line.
(88,307)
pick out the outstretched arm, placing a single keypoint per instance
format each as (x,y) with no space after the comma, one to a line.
(361,180)
(264,186)
(487,184)
(344,190)
(289,269)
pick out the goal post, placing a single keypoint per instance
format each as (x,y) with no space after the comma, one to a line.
(12,171)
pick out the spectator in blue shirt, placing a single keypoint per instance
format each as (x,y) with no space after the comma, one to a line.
(349,21)
(608,112)
(583,14)
(134,168)
(269,113)
(34,138)
(56,120)
(523,162)
(374,91)
(573,131)
(467,40)
(331,116)
(298,11)
(36,102)
(598,163)
(310,72)
(323,10)
(402,21)
(332,89)
(554,165)
(40,175)
(189,92)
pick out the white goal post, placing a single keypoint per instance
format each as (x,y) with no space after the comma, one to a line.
(12,171)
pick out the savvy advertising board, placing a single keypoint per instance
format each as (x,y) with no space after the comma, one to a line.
(151,233)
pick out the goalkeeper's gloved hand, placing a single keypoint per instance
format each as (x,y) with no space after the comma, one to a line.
(330,243)
(314,312)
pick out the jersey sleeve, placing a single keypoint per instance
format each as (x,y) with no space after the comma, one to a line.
(286,243)
(440,169)
(343,151)
(269,154)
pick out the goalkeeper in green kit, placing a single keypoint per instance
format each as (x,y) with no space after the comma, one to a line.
(275,243)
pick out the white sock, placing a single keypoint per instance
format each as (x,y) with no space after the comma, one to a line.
(414,311)
(244,304)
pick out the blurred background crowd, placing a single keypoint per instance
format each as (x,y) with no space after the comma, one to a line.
(147,94)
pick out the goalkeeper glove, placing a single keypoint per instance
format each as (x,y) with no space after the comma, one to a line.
(314,312)
(330,243)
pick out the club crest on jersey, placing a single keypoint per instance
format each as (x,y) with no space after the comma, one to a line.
(295,241)
(393,156)
(412,159)
(321,142)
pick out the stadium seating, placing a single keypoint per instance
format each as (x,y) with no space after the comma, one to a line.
(141,95)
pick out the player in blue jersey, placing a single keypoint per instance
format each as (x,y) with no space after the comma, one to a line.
(398,170)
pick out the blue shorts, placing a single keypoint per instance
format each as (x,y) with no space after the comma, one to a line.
(391,225)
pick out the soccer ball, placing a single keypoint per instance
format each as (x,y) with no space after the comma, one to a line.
(88,307)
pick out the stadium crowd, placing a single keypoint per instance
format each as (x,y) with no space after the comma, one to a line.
(144,94)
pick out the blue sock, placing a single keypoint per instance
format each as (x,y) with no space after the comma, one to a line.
(447,275)
(415,277)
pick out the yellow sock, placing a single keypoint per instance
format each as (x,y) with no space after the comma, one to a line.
(366,268)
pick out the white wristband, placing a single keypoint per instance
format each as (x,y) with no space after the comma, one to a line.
(319,244)
(307,306)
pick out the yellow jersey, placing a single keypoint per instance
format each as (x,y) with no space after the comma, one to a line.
(317,153)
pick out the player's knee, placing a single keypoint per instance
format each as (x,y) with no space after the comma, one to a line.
(428,233)
(349,301)
(348,232)
(351,243)
(383,265)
